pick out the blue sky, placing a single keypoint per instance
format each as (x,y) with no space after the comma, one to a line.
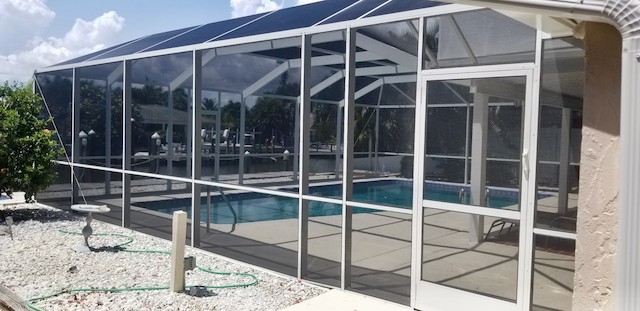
(39,33)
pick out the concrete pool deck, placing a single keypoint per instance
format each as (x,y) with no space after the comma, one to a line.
(338,300)
(381,254)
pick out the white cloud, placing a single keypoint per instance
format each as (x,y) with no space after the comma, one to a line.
(248,7)
(83,38)
(21,19)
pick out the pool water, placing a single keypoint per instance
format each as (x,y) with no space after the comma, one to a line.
(251,207)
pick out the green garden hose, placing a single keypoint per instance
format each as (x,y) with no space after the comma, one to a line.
(120,247)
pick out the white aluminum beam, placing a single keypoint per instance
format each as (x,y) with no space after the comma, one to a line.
(364,91)
(389,52)
(169,137)
(347,159)
(478,163)
(115,75)
(107,137)
(296,142)
(240,139)
(329,36)
(276,72)
(565,158)
(400,79)
(304,135)
(377,128)
(463,40)
(402,93)
(218,136)
(126,143)
(76,156)
(432,57)
(322,61)
(420,128)
(196,147)
(327,83)
(339,122)
(187,73)
(382,70)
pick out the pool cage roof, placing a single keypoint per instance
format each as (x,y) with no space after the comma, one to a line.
(385,55)
(305,17)
(272,42)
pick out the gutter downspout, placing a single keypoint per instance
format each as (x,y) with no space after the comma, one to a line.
(628,247)
(625,16)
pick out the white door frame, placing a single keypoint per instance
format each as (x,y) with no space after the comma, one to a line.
(429,296)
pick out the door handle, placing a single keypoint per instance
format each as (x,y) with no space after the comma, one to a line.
(525,162)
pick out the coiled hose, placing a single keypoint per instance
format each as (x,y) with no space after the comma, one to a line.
(121,247)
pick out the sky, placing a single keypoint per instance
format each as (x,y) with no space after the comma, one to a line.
(38,33)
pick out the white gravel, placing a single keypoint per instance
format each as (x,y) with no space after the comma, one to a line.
(39,262)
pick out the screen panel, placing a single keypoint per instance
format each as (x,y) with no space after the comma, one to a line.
(401,6)
(141,44)
(204,33)
(291,18)
(355,11)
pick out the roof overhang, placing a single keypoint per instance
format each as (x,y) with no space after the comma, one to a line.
(624,15)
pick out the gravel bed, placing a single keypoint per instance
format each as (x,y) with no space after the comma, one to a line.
(39,261)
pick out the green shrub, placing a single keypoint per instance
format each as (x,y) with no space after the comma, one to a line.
(27,149)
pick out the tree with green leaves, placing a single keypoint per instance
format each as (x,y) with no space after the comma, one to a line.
(27,149)
(273,115)
(231,115)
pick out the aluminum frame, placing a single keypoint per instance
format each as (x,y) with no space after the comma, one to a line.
(529,70)
(319,29)
(429,295)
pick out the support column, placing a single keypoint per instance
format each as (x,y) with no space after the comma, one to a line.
(420,130)
(467,135)
(189,132)
(304,133)
(218,137)
(338,141)
(196,144)
(565,146)
(170,152)
(107,138)
(240,140)
(75,141)
(597,225)
(478,163)
(296,142)
(347,159)
(126,144)
(377,129)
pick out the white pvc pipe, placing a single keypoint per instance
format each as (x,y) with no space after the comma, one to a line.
(628,248)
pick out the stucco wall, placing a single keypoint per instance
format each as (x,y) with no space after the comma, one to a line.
(594,280)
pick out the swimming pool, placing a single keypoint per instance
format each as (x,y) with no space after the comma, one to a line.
(251,207)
